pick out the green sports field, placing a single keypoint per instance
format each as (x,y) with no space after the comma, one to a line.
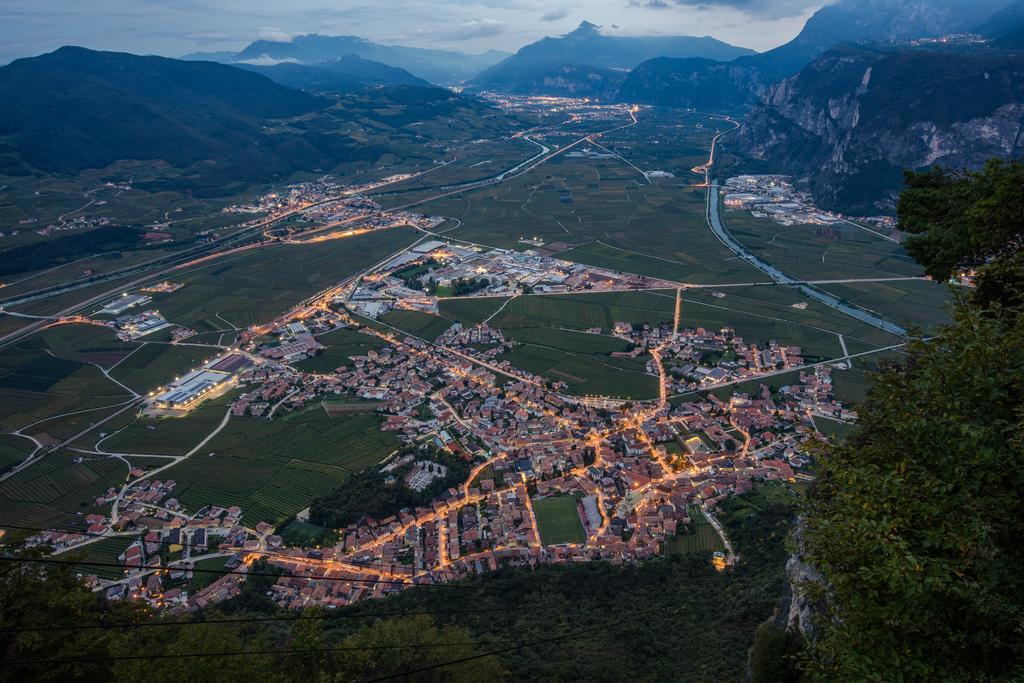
(558,521)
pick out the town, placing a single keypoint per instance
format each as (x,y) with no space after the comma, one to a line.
(622,477)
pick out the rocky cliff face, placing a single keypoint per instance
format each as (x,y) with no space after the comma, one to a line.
(742,82)
(852,120)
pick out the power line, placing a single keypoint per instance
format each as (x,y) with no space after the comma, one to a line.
(378,565)
(371,567)
(226,572)
(290,651)
(492,653)
(247,620)
(231,653)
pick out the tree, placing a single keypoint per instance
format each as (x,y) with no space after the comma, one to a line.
(396,647)
(773,658)
(307,635)
(35,597)
(916,521)
(967,220)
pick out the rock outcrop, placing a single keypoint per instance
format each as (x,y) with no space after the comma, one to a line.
(850,122)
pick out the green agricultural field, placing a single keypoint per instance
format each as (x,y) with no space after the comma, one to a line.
(586,374)
(585,311)
(304,534)
(57,487)
(470,310)
(169,435)
(13,449)
(923,304)
(37,385)
(580,342)
(475,161)
(105,551)
(703,540)
(836,430)
(746,308)
(255,286)
(422,325)
(45,198)
(68,426)
(582,361)
(274,468)
(558,520)
(349,442)
(605,214)
(667,140)
(852,386)
(801,251)
(341,345)
(214,339)
(267,490)
(211,571)
(11,323)
(760,498)
(81,343)
(551,348)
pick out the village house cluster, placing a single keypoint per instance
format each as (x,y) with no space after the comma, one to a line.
(774,197)
(697,358)
(633,490)
(290,198)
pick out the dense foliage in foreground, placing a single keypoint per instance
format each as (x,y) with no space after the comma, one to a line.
(916,522)
(682,620)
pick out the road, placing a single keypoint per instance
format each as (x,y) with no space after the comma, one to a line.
(705,168)
(715,223)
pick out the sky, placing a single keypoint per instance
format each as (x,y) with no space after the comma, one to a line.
(176,27)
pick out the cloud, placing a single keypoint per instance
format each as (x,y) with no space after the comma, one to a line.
(275,36)
(555,14)
(478,28)
(762,9)
(267,60)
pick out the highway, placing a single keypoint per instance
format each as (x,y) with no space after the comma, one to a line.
(715,223)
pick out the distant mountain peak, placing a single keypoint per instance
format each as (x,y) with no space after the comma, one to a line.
(587,51)
(585,28)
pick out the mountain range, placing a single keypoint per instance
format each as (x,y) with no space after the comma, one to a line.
(856,96)
(588,47)
(435,66)
(336,75)
(219,125)
(695,75)
(99,107)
